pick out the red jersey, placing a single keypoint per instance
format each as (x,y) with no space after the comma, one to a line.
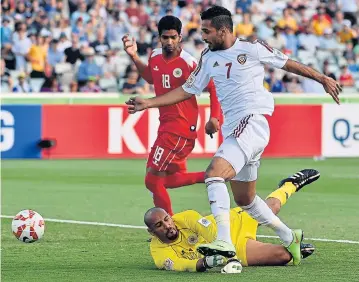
(180,119)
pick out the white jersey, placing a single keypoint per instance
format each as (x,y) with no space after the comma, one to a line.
(238,74)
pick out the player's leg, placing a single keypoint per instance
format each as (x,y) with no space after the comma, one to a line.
(154,182)
(257,253)
(180,179)
(252,140)
(177,174)
(222,168)
(290,185)
(244,229)
(162,152)
(260,254)
(264,254)
(244,193)
(260,211)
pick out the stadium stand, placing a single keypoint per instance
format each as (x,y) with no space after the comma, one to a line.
(76,45)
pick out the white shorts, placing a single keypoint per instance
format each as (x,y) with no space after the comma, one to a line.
(244,147)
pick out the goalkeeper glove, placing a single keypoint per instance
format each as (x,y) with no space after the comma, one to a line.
(213,261)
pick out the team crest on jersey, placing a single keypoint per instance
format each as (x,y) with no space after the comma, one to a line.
(192,240)
(168,264)
(204,221)
(177,72)
(242,58)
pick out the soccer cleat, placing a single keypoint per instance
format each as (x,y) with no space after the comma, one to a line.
(217,247)
(302,178)
(233,266)
(306,250)
(295,247)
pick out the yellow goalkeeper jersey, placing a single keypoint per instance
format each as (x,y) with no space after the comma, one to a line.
(194,230)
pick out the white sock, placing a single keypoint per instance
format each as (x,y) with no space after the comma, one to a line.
(260,211)
(220,205)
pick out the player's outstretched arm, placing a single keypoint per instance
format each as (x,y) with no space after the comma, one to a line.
(130,46)
(213,125)
(136,104)
(168,259)
(330,85)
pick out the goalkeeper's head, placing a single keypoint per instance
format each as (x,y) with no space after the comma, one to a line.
(161,225)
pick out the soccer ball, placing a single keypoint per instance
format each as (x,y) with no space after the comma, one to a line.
(28,226)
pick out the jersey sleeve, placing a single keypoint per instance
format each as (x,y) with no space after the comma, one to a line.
(194,65)
(198,79)
(201,225)
(166,258)
(270,56)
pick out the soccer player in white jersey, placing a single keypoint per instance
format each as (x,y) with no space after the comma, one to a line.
(237,68)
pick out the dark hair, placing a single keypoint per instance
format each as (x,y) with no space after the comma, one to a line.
(168,23)
(219,16)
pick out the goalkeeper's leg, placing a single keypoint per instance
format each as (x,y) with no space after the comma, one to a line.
(279,197)
(290,185)
(264,254)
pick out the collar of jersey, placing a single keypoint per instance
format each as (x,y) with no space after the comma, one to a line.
(172,60)
(230,48)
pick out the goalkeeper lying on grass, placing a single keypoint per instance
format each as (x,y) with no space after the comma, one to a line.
(173,246)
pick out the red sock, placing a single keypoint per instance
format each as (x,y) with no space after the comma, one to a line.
(161,198)
(180,179)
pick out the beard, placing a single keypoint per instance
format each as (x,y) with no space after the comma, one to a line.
(172,234)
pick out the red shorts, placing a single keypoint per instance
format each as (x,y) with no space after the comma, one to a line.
(169,153)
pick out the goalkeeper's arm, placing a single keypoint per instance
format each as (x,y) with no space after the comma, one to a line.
(166,258)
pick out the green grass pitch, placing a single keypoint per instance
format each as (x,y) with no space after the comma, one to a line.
(112,191)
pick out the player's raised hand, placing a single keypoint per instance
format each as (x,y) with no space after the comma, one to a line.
(136,104)
(212,126)
(130,45)
(332,87)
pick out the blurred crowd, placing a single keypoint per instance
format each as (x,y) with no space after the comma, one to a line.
(75,45)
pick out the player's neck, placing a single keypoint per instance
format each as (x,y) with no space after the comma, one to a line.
(172,55)
(168,241)
(229,42)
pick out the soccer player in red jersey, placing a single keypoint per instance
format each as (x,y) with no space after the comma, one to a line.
(168,68)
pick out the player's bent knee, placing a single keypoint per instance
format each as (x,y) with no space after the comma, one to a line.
(283,256)
(243,200)
(151,180)
(220,168)
(243,192)
(152,171)
(148,181)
